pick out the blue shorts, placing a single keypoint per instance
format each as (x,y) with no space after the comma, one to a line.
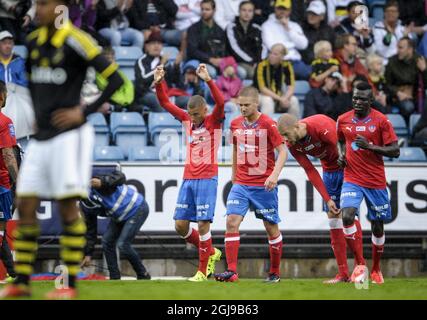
(264,203)
(6,202)
(333,182)
(196,200)
(377,201)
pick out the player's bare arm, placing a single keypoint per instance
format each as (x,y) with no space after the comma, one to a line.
(202,72)
(342,162)
(11,165)
(391,150)
(159,74)
(66,118)
(271,181)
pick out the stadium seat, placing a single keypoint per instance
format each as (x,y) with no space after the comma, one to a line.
(129,72)
(247,82)
(128,130)
(163,123)
(398,123)
(170,52)
(21,51)
(301,89)
(102,132)
(225,153)
(413,119)
(411,154)
(147,153)
(127,56)
(108,153)
(276,116)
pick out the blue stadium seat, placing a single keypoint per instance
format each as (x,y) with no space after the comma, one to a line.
(128,129)
(127,56)
(247,82)
(108,153)
(276,116)
(171,52)
(159,122)
(129,72)
(398,123)
(413,119)
(225,153)
(376,9)
(301,89)
(147,153)
(102,132)
(411,154)
(21,51)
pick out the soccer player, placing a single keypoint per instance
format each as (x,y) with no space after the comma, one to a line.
(197,195)
(254,176)
(317,136)
(58,159)
(8,175)
(364,137)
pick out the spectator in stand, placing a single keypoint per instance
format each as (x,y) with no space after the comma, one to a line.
(206,40)
(337,11)
(113,23)
(188,13)
(226,12)
(263,8)
(375,66)
(388,32)
(279,29)
(413,14)
(16,17)
(406,77)
(12,66)
(244,39)
(324,64)
(364,36)
(327,99)
(315,29)
(350,65)
(274,78)
(229,83)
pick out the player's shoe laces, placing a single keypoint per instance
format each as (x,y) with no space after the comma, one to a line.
(377,277)
(226,276)
(338,278)
(213,259)
(198,277)
(62,294)
(360,274)
(15,291)
(272,278)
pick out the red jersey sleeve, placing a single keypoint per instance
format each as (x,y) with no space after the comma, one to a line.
(7,135)
(176,111)
(218,111)
(274,135)
(340,135)
(387,132)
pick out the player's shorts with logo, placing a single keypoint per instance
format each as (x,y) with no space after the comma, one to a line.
(197,200)
(6,201)
(58,168)
(264,203)
(377,200)
(333,182)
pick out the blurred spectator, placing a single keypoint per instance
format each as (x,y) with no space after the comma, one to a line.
(229,83)
(263,8)
(226,11)
(364,36)
(406,77)
(324,64)
(413,14)
(327,99)
(315,29)
(389,31)
(16,16)
(375,66)
(144,73)
(350,65)
(419,132)
(113,23)
(275,80)
(12,66)
(187,14)
(244,39)
(279,29)
(337,11)
(206,40)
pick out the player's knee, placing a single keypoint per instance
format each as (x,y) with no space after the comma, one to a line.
(181,228)
(347,217)
(107,244)
(123,247)
(232,224)
(377,228)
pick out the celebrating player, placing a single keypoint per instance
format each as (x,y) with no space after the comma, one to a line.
(58,160)
(254,177)
(197,195)
(317,136)
(364,137)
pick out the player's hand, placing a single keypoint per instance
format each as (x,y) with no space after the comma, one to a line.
(333,207)
(271,182)
(159,74)
(95,183)
(87,261)
(202,72)
(342,162)
(421,64)
(362,142)
(66,118)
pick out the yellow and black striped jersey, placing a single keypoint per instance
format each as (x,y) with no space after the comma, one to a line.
(274,77)
(318,66)
(56,68)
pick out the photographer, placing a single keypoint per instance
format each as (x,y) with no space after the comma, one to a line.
(127,210)
(16,16)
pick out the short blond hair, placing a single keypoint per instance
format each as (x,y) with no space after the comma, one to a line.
(320,46)
(372,58)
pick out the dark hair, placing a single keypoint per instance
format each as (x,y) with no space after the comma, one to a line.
(342,40)
(411,42)
(391,3)
(196,101)
(363,86)
(212,2)
(360,77)
(353,4)
(3,88)
(244,3)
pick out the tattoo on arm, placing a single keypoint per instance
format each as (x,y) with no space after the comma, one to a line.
(11,164)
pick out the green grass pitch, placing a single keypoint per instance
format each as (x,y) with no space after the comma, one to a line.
(251,289)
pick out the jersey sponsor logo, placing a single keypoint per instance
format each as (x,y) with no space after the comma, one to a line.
(56,76)
(247,148)
(182,206)
(233,202)
(360,128)
(310,147)
(380,208)
(11,130)
(349,194)
(203,206)
(349,128)
(372,128)
(265,211)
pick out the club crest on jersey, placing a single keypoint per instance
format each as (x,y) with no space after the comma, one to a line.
(372,128)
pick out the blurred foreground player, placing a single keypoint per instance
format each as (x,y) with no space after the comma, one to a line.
(57,165)
(364,137)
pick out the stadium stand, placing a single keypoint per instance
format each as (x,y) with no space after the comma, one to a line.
(399,124)
(102,132)
(126,56)
(413,119)
(108,153)
(162,123)
(411,154)
(128,130)
(146,153)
